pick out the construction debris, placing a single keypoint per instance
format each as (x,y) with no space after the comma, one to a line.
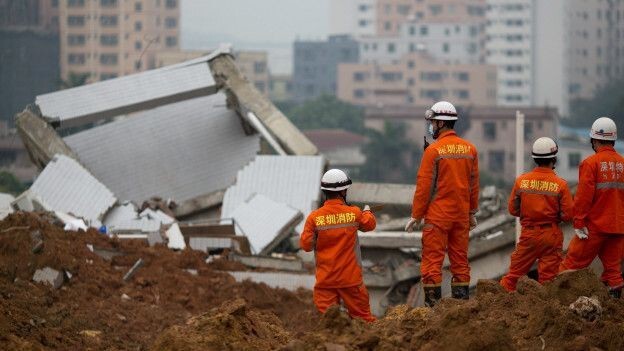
(175,238)
(138,264)
(587,308)
(280,264)
(48,276)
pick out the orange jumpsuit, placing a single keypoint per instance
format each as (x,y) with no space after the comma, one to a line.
(331,231)
(447,192)
(599,207)
(541,199)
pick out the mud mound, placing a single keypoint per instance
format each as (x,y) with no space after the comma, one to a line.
(233,326)
(96,309)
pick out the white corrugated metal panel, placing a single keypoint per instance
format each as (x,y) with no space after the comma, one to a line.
(286,281)
(158,215)
(204,243)
(136,225)
(5,205)
(179,151)
(293,180)
(175,237)
(127,94)
(65,186)
(120,214)
(265,221)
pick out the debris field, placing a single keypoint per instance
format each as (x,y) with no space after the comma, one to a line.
(175,301)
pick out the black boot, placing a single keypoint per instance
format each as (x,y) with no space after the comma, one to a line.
(433,294)
(615,292)
(460,292)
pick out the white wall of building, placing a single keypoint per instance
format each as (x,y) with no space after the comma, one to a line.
(353,17)
(509,34)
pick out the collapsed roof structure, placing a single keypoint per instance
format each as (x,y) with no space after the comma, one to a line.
(179,132)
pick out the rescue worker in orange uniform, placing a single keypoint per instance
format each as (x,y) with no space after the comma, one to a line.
(446,197)
(541,199)
(599,209)
(332,232)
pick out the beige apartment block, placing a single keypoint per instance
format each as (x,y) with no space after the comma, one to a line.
(392,14)
(417,80)
(111,38)
(253,64)
(492,130)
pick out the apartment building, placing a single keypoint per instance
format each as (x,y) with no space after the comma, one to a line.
(111,38)
(492,129)
(417,80)
(253,64)
(353,17)
(509,46)
(315,65)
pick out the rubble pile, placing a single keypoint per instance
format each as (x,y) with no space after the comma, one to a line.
(94,308)
(533,318)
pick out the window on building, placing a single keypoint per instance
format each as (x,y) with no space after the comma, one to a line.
(171,4)
(171,22)
(462,76)
(391,48)
(138,7)
(574,159)
(76,40)
(431,76)
(410,64)
(446,47)
(574,88)
(540,125)
(138,26)
(108,59)
(259,67)
(363,7)
(496,161)
(105,76)
(75,3)
(435,9)
(403,9)
(108,21)
(391,76)
(261,86)
(424,30)
(412,30)
(410,82)
(359,76)
(489,131)
(598,51)
(138,45)
(76,59)
(75,21)
(109,39)
(362,23)
(434,94)
(388,26)
(474,31)
(462,94)
(108,3)
(358,93)
(172,41)
(55,3)
(528,131)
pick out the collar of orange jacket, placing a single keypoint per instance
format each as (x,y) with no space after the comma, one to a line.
(447,133)
(605,148)
(543,170)
(334,202)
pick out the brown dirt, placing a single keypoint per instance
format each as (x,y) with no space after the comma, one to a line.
(88,311)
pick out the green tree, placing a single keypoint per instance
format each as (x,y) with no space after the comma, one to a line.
(10,184)
(74,80)
(325,112)
(390,157)
(608,101)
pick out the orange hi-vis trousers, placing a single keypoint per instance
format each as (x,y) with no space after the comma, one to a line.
(437,239)
(608,247)
(355,299)
(537,242)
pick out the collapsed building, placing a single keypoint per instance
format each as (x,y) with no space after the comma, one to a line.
(192,155)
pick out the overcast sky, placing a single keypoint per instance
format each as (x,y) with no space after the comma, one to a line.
(270,25)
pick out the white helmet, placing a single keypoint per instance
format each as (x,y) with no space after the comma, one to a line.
(603,129)
(335,180)
(544,148)
(442,111)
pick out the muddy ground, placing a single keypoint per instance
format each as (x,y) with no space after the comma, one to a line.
(170,309)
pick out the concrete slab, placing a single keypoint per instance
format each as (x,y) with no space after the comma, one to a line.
(49,276)
(268,262)
(288,281)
